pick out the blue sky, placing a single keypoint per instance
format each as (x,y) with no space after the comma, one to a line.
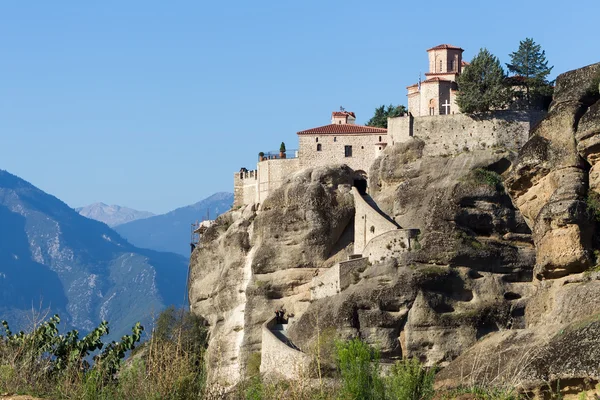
(154,104)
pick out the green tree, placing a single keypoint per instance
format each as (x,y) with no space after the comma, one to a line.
(482,85)
(382,114)
(530,66)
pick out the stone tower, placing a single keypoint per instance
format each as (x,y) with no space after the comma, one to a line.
(436,94)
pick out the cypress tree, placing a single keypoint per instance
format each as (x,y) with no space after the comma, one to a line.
(529,64)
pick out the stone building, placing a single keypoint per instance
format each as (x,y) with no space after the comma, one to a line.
(436,95)
(341,142)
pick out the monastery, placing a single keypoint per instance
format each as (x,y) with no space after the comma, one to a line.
(433,117)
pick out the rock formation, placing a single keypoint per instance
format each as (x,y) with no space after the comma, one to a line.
(250,263)
(501,266)
(553,182)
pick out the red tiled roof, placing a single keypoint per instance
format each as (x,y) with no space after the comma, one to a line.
(342,129)
(464,63)
(445,47)
(342,114)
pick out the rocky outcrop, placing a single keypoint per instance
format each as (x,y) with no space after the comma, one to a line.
(558,346)
(549,181)
(498,263)
(254,261)
(465,277)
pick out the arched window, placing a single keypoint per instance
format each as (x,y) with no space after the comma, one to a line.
(379,139)
(335,139)
(316,139)
(319,147)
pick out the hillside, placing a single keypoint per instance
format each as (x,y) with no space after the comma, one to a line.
(53,258)
(171,231)
(112,215)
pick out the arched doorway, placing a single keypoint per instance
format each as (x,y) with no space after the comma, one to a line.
(360,182)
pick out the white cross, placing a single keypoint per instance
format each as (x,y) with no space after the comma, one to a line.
(446,105)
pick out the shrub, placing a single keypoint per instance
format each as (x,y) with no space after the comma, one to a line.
(593,206)
(409,380)
(482,176)
(358,365)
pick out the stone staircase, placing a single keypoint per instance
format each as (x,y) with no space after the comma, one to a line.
(369,200)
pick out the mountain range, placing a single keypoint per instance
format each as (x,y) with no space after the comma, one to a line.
(112,215)
(54,260)
(171,231)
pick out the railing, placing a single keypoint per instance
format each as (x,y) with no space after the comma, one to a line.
(275,155)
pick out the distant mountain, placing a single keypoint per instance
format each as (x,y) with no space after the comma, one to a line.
(52,257)
(171,231)
(112,215)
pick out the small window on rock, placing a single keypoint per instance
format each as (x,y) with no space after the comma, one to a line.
(319,147)
(316,139)
(334,139)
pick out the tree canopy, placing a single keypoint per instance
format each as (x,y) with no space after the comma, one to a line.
(382,113)
(530,69)
(482,85)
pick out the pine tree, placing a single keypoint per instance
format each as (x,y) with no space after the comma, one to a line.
(530,66)
(382,114)
(482,85)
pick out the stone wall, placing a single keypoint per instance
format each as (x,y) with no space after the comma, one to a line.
(365,148)
(272,174)
(391,244)
(327,284)
(279,359)
(368,222)
(336,278)
(245,185)
(451,134)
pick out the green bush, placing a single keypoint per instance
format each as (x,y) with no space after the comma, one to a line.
(409,380)
(593,206)
(358,365)
(484,176)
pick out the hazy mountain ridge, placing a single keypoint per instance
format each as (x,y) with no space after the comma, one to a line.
(112,215)
(78,267)
(171,231)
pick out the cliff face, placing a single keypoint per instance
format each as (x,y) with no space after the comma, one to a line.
(250,263)
(554,183)
(502,264)
(465,279)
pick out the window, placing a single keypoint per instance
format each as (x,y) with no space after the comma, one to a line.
(440,65)
(317,140)
(379,139)
(335,139)
(452,66)
(347,151)
(319,147)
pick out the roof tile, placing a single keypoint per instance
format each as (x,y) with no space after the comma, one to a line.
(342,129)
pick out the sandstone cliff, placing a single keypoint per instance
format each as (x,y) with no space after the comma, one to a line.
(503,264)
(250,263)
